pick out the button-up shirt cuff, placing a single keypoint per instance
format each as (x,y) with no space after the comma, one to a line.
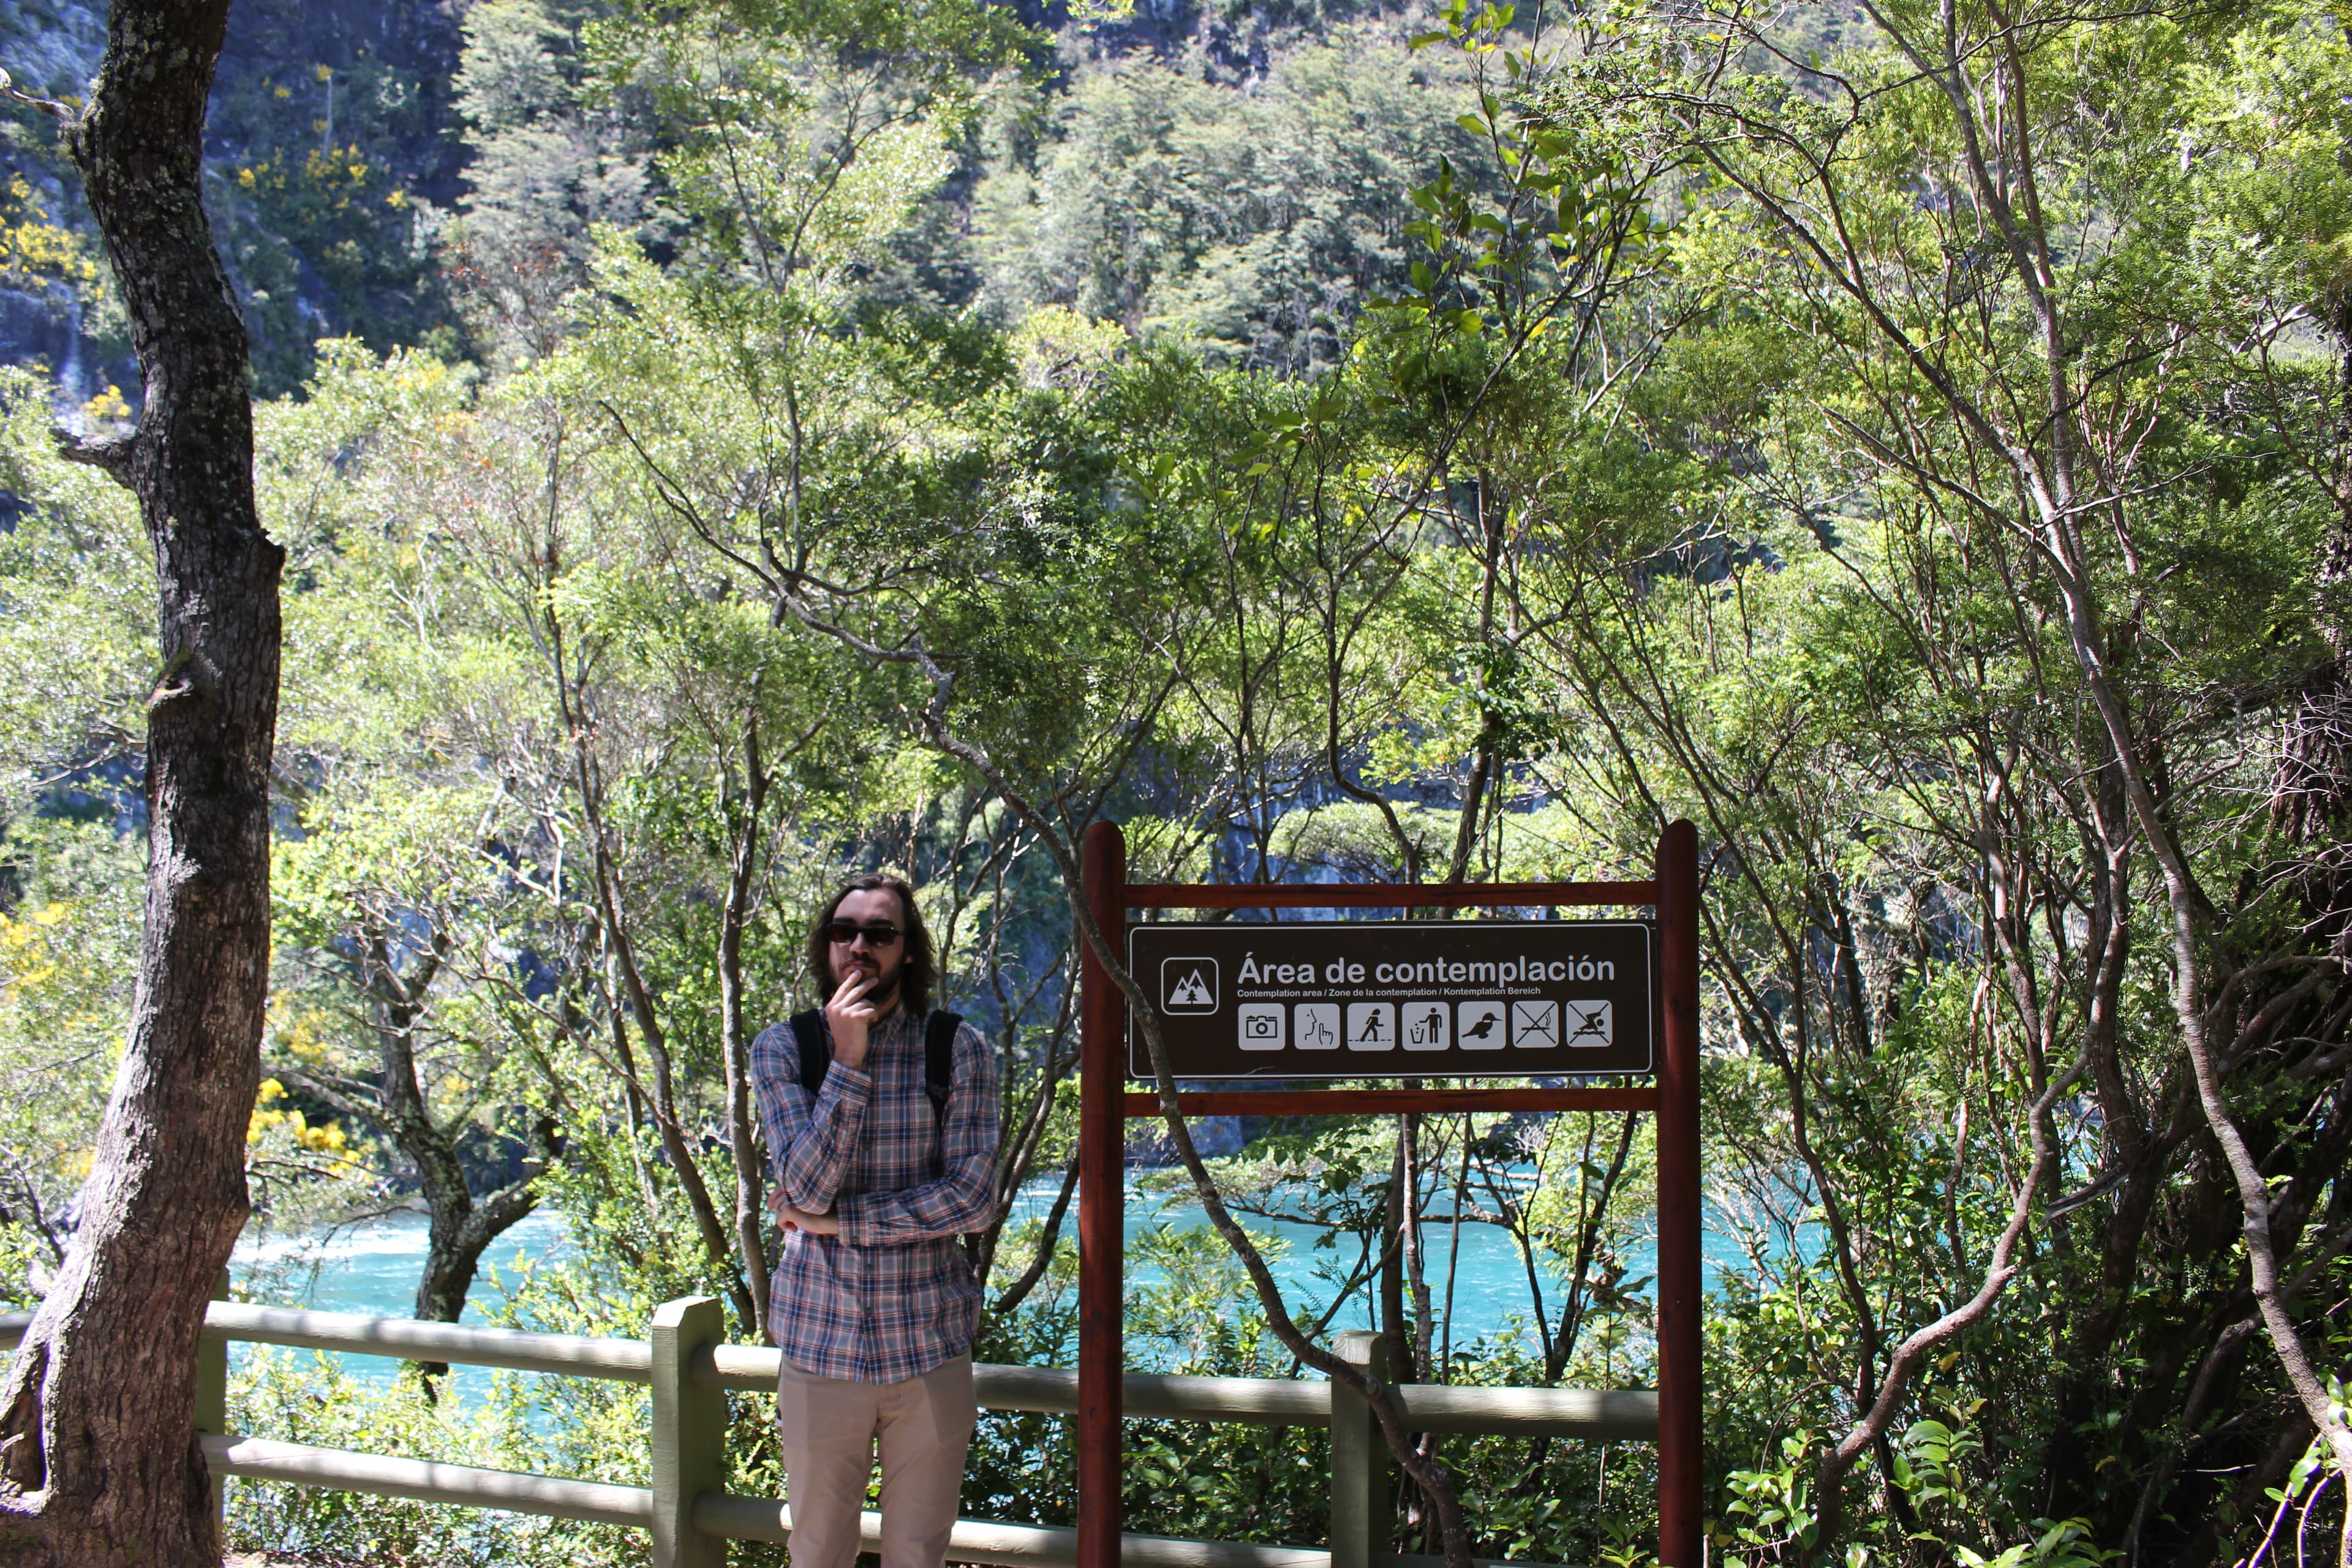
(852,1083)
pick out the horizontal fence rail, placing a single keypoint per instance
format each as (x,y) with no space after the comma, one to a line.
(1387,895)
(1610,1415)
(427,1481)
(1601,1416)
(1140,1104)
(567,1355)
(726,1516)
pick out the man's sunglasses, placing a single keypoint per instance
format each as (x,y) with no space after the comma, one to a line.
(845,933)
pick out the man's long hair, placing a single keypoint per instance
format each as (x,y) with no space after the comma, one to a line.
(919,969)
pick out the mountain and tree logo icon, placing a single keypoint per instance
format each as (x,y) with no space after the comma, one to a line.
(1188,984)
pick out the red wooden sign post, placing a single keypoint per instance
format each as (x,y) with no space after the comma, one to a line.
(1105,1106)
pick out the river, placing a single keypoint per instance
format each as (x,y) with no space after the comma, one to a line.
(373,1268)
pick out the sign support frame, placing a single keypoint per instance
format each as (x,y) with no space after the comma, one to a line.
(1105,1106)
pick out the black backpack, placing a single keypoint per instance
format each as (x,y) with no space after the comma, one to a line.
(939,1057)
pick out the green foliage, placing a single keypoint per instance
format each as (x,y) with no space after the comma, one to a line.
(306,1397)
(1443,458)
(68,944)
(1255,224)
(553,158)
(77,590)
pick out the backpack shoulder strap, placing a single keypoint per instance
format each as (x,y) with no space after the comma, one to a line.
(815,1049)
(939,1062)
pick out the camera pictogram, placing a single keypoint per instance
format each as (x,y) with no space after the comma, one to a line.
(1261,1026)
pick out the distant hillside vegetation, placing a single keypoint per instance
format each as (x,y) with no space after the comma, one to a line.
(1234,175)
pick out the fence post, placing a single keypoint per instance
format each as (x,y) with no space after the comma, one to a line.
(690,1431)
(1361,1522)
(1681,1344)
(1102,1206)
(212,1406)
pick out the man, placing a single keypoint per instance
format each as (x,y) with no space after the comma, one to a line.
(878,1169)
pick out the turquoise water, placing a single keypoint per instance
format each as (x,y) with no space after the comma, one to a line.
(373,1268)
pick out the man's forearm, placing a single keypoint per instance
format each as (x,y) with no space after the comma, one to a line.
(810,1171)
(956,1205)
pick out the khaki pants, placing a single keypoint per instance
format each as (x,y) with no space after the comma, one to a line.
(827,1428)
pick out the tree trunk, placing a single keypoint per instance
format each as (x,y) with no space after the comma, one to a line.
(1392,1330)
(744,1143)
(98,1460)
(455,1241)
(459,1226)
(2315,784)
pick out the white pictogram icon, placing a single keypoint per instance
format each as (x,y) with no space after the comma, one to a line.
(1591,1023)
(1318,1026)
(1188,984)
(1261,1026)
(1424,1027)
(1478,1025)
(1535,1026)
(1371,1026)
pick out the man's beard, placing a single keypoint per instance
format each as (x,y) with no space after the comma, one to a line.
(880,995)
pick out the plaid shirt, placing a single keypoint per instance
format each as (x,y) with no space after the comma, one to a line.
(893,1296)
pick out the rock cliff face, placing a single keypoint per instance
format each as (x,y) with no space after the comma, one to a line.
(332,152)
(50,47)
(334,149)
(46,326)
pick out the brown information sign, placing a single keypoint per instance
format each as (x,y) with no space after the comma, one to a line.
(1397,999)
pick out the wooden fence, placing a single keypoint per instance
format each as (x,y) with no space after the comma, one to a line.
(690,1369)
